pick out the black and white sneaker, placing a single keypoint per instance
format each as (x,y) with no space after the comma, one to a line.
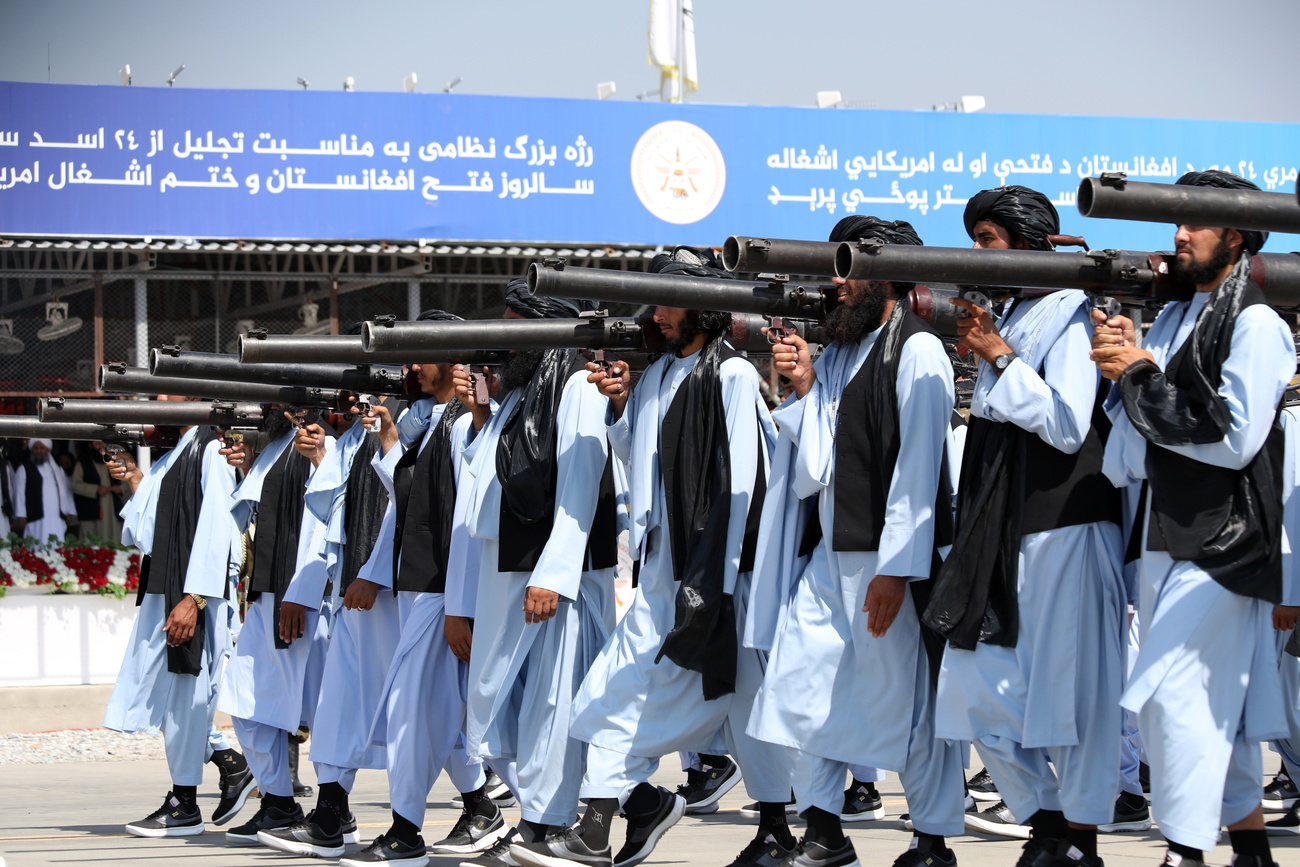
(998,820)
(751,811)
(1287,826)
(704,788)
(236,786)
(393,852)
(565,849)
(1281,794)
(305,838)
(265,819)
(1131,814)
(862,803)
(498,855)
(172,819)
(644,830)
(766,852)
(497,790)
(1057,853)
(982,788)
(809,854)
(472,834)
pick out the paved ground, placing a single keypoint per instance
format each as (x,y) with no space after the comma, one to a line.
(72,813)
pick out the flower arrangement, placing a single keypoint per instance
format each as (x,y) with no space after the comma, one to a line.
(71,566)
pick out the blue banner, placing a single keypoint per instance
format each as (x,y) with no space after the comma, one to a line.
(182,163)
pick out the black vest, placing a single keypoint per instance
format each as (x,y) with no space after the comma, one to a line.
(33,495)
(364,498)
(522,544)
(423,533)
(669,440)
(1226,521)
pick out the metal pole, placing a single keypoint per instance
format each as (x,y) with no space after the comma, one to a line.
(412,299)
(142,456)
(99,323)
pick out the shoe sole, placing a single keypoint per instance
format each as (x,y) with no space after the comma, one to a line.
(1121,827)
(986,796)
(701,806)
(674,816)
(790,810)
(506,859)
(906,825)
(1278,805)
(413,861)
(998,829)
(864,816)
(1282,831)
(352,837)
(298,847)
(483,843)
(704,809)
(155,833)
(539,859)
(240,800)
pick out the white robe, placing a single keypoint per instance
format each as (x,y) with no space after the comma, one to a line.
(523,676)
(1208,658)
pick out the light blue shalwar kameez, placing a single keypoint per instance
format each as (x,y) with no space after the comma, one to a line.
(834,694)
(1288,666)
(422,712)
(266,690)
(1053,699)
(632,709)
(361,643)
(147,697)
(523,677)
(1205,685)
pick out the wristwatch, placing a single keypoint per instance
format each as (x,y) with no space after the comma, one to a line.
(1002,362)
(200,600)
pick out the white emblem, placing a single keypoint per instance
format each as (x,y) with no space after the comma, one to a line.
(678,172)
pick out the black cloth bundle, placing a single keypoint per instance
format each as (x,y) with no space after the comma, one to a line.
(1020,210)
(1252,239)
(703,637)
(180,497)
(530,306)
(857,227)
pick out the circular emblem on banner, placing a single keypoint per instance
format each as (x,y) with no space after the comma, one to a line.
(678,172)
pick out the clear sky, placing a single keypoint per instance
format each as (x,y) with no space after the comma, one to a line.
(1235,60)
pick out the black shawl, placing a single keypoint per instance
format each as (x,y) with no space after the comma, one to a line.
(364,500)
(279,520)
(420,550)
(176,518)
(703,637)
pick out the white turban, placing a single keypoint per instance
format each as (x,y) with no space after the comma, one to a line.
(49,444)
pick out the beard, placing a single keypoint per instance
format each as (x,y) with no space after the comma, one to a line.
(1196,274)
(277,425)
(848,322)
(686,332)
(42,458)
(518,368)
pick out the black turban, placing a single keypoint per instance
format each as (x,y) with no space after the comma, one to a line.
(436,315)
(690,261)
(1251,239)
(857,228)
(1023,212)
(530,306)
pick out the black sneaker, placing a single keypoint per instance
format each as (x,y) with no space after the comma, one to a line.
(704,788)
(385,851)
(498,855)
(1172,859)
(644,831)
(998,820)
(236,786)
(1251,861)
(1062,854)
(304,838)
(982,788)
(497,790)
(1281,794)
(172,819)
(862,803)
(766,852)
(916,856)
(1037,848)
(265,819)
(1288,825)
(565,849)
(1131,814)
(472,834)
(809,854)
